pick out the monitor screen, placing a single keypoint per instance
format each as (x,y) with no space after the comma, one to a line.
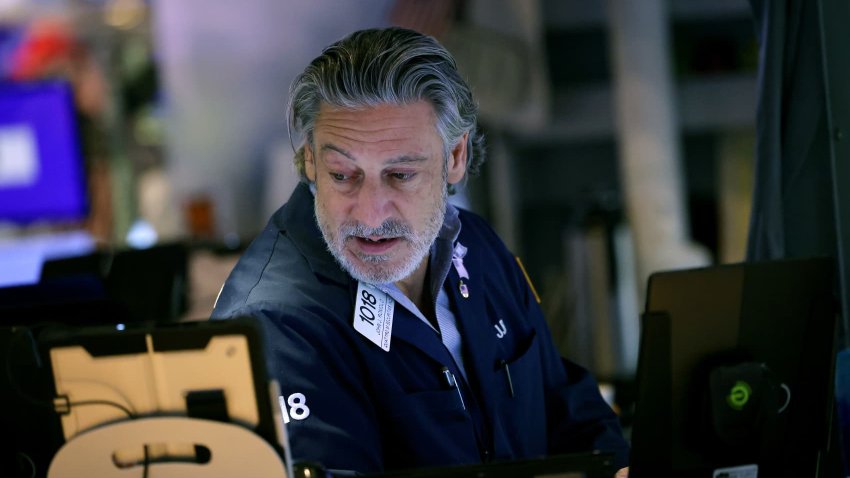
(735,371)
(42,176)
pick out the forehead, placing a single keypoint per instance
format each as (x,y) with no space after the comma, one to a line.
(413,125)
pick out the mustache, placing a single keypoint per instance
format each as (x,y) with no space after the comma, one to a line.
(389,228)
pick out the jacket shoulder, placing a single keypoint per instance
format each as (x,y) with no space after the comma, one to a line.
(273,275)
(478,235)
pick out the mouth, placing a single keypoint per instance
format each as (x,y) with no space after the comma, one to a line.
(375,245)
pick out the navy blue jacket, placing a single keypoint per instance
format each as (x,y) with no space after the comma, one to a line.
(353,406)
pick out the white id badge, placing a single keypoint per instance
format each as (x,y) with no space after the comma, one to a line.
(373,315)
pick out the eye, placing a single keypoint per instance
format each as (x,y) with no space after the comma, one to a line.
(402,176)
(338,177)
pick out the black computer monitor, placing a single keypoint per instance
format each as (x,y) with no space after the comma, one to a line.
(152,283)
(73,380)
(735,372)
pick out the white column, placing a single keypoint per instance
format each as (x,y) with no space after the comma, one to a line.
(735,193)
(648,138)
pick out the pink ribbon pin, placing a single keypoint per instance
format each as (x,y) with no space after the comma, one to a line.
(457,259)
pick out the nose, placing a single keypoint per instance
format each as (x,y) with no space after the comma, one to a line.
(372,205)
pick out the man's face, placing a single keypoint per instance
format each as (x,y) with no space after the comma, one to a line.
(381,177)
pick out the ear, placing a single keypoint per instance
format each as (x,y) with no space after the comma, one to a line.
(309,163)
(456,167)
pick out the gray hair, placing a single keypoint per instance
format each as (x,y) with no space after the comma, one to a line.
(388,66)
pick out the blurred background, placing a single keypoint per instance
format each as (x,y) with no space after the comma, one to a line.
(620,135)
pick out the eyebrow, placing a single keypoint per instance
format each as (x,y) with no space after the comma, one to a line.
(406,158)
(339,150)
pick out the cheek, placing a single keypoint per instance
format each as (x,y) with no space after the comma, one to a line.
(333,207)
(423,206)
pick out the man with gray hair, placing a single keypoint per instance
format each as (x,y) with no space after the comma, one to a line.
(402,331)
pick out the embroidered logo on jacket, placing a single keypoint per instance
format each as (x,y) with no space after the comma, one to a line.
(501,329)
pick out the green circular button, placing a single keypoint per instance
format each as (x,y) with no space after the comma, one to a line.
(739,395)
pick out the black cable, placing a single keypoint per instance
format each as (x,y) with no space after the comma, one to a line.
(117,405)
(147,463)
(29,461)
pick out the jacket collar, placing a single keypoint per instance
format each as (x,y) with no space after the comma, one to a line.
(297,219)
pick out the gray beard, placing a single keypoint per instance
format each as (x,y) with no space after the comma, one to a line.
(376,269)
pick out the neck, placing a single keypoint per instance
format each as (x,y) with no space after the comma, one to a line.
(414,285)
